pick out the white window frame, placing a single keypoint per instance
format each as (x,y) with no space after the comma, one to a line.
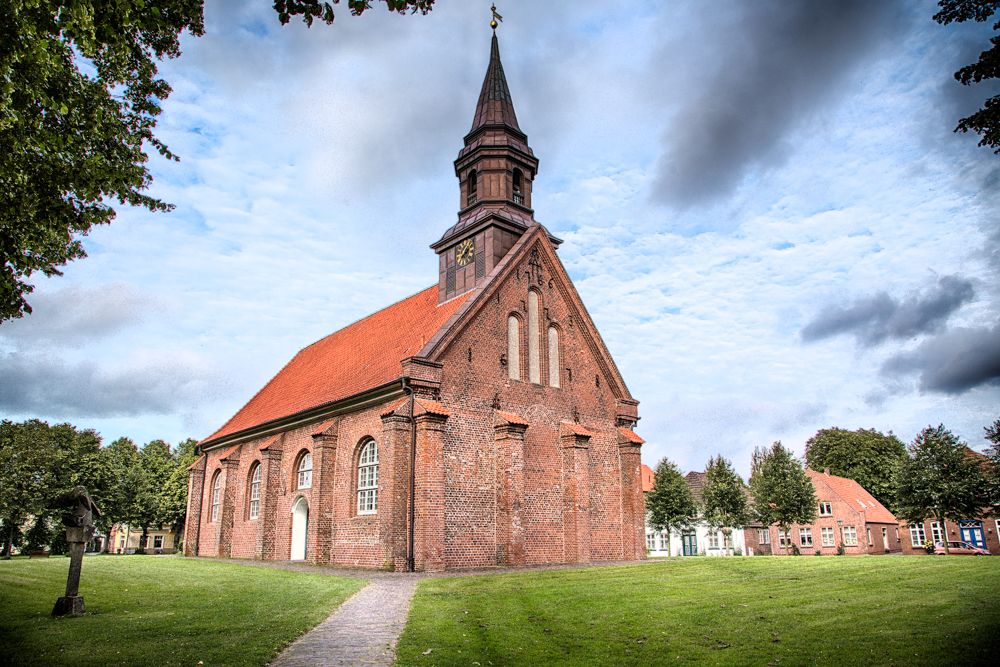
(784,540)
(805,537)
(305,471)
(870,543)
(255,492)
(763,536)
(157,538)
(917,534)
(937,532)
(826,508)
(850,536)
(216,493)
(651,541)
(828,537)
(368,478)
(713,540)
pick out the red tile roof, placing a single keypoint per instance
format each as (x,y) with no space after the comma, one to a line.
(576,429)
(647,477)
(631,436)
(512,419)
(359,357)
(856,497)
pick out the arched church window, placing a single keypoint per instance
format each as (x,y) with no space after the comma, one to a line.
(368,479)
(513,348)
(255,491)
(534,371)
(306,471)
(472,186)
(518,193)
(216,494)
(553,357)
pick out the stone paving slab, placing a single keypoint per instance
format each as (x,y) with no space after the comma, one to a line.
(363,630)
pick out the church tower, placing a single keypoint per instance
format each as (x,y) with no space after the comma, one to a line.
(495,170)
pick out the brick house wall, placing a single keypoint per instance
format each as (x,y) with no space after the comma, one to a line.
(990,526)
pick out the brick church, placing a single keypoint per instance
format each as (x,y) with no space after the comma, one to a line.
(479,422)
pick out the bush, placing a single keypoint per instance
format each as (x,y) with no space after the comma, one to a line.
(40,535)
(795,550)
(819,552)
(841,550)
(737,551)
(929,547)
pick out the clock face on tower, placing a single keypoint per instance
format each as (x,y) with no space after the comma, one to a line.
(464,252)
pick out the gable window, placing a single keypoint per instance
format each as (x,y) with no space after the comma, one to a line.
(518,195)
(850,535)
(763,536)
(553,357)
(826,509)
(936,533)
(306,471)
(513,348)
(805,537)
(255,491)
(471,198)
(534,372)
(368,479)
(826,534)
(216,494)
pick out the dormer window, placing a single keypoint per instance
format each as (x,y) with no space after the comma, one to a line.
(518,194)
(471,198)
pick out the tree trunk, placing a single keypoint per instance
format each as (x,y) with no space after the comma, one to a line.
(944,531)
(142,540)
(10,541)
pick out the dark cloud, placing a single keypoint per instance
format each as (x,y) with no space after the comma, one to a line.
(73,316)
(41,385)
(874,319)
(779,62)
(953,362)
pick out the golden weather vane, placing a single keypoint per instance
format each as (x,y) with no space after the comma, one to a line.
(496,17)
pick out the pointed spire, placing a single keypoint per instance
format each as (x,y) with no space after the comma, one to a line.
(495,106)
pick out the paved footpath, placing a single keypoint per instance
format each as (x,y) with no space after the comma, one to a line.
(363,631)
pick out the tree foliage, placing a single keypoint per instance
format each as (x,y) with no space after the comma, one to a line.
(940,478)
(27,473)
(993,469)
(79,98)
(311,10)
(986,121)
(670,505)
(783,492)
(867,456)
(724,498)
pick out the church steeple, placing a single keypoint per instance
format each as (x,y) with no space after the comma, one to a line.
(495,169)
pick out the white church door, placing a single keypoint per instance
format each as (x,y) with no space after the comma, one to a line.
(300,529)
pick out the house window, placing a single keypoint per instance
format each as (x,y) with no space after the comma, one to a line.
(936,533)
(158,541)
(121,542)
(216,493)
(368,479)
(651,541)
(255,492)
(663,542)
(850,535)
(826,534)
(534,371)
(826,509)
(513,348)
(805,537)
(870,543)
(713,540)
(306,471)
(763,536)
(553,357)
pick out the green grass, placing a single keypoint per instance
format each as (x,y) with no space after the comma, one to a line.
(783,611)
(143,610)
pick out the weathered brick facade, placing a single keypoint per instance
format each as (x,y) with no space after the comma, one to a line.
(496,379)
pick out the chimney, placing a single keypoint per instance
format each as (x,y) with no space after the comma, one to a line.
(826,471)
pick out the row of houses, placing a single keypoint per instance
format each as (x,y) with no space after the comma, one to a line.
(848,517)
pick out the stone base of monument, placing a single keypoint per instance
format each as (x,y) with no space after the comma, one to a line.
(69,604)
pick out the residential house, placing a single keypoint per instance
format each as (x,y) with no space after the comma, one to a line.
(125,540)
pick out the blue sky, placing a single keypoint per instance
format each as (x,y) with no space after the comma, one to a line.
(763,206)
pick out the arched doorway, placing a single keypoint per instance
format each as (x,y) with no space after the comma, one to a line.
(300,529)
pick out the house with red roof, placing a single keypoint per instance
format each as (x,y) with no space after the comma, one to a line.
(847,516)
(481,421)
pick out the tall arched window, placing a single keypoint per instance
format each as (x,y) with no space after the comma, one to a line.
(368,479)
(306,471)
(255,491)
(518,194)
(513,348)
(471,187)
(553,357)
(216,494)
(534,371)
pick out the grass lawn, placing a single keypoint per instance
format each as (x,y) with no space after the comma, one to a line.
(888,610)
(144,610)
